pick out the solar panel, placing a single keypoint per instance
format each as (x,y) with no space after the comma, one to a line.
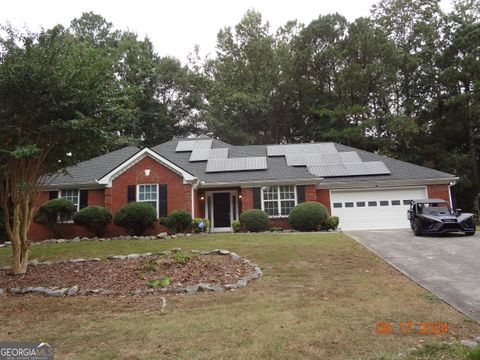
(349,169)
(295,149)
(236,164)
(191,145)
(204,155)
(322,158)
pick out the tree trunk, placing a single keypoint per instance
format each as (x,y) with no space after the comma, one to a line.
(20,255)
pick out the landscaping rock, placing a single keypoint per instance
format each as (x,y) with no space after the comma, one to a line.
(79,260)
(241,283)
(95,259)
(162,235)
(217,287)
(191,289)
(2,292)
(116,257)
(477,339)
(195,251)
(205,287)
(177,249)
(6,267)
(56,292)
(72,291)
(133,256)
(15,290)
(469,343)
(107,292)
(204,252)
(38,290)
(147,254)
(137,292)
(34,262)
(224,252)
(179,235)
(231,286)
(7,244)
(27,290)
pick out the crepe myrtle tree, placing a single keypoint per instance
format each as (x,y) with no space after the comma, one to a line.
(54,94)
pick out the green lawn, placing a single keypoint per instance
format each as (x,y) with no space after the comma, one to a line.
(320,297)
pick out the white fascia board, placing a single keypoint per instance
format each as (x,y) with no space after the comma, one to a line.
(385,183)
(107,179)
(253,183)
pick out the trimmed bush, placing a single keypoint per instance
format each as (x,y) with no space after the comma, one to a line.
(53,212)
(307,216)
(254,220)
(330,223)
(236,226)
(196,222)
(136,217)
(178,221)
(93,218)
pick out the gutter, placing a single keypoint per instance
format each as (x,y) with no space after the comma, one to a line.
(310,181)
(386,183)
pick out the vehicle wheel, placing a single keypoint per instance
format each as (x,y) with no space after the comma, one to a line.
(417,229)
(470,233)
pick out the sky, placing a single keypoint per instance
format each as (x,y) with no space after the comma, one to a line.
(175,27)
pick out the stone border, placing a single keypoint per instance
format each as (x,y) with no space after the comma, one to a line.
(190,289)
(160,236)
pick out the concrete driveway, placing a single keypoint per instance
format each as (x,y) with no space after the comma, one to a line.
(448,266)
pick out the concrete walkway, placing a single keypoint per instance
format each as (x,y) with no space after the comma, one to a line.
(448,266)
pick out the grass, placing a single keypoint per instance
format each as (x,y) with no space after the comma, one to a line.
(320,297)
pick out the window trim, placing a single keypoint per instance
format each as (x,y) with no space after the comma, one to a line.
(78,196)
(137,195)
(279,216)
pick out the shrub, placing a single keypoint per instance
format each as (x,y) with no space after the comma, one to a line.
(196,225)
(330,223)
(236,226)
(307,216)
(94,218)
(136,217)
(254,220)
(53,212)
(178,220)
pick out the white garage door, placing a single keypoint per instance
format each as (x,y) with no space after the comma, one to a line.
(374,209)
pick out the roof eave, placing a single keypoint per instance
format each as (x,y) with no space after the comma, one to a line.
(387,183)
(253,183)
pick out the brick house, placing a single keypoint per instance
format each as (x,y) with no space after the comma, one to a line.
(216,180)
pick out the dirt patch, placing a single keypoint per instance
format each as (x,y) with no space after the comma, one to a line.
(125,276)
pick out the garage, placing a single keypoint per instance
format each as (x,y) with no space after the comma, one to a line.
(374,209)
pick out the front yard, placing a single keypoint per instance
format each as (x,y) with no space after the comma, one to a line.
(321,296)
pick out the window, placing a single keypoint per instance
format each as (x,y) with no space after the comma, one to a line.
(278,200)
(72,195)
(148,194)
(384,203)
(360,203)
(349,204)
(395,202)
(372,203)
(337,205)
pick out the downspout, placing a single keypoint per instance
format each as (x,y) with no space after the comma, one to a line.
(194,187)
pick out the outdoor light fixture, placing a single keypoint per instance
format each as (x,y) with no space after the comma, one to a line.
(147,172)
(202,197)
(239,196)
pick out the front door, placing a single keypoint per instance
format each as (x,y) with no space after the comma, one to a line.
(221,210)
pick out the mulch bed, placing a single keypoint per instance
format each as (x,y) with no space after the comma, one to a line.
(124,276)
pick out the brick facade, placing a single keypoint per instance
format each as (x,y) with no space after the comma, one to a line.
(439,192)
(179,196)
(323,196)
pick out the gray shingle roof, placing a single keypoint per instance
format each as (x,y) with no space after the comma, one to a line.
(89,171)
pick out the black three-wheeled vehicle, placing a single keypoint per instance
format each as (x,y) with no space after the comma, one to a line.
(435,216)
